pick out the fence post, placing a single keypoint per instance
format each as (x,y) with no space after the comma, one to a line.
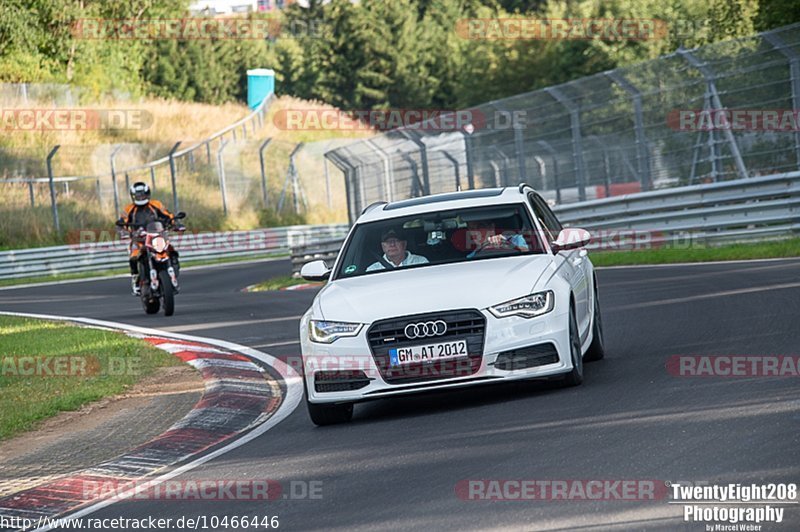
(208,152)
(347,170)
(577,146)
(327,183)
(264,171)
(30,192)
(415,137)
(519,143)
(506,182)
(549,149)
(127,181)
(794,73)
(97,189)
(153,177)
(221,172)
(52,187)
(642,151)
(468,157)
(114,179)
(716,104)
(417,187)
(388,170)
(456,166)
(173,175)
(606,164)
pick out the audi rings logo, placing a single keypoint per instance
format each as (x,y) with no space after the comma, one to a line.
(425,329)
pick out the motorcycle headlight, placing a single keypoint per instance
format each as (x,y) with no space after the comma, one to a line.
(326,332)
(159,244)
(526,307)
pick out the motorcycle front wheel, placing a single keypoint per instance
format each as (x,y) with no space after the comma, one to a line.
(151,306)
(167,295)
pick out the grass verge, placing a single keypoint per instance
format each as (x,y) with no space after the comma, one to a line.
(761,250)
(47,367)
(277,283)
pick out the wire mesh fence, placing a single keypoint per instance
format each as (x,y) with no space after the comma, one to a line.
(84,185)
(719,112)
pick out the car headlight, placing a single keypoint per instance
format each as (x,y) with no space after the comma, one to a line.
(527,306)
(325,332)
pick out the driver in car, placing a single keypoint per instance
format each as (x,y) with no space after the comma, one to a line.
(395,254)
(484,235)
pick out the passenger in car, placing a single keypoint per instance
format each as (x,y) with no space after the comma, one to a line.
(395,254)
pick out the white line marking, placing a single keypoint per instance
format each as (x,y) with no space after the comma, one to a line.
(667,265)
(723,293)
(278,344)
(223,324)
(294,394)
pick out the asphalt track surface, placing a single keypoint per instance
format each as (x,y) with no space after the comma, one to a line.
(396,466)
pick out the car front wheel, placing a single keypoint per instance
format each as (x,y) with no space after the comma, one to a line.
(597,348)
(575,376)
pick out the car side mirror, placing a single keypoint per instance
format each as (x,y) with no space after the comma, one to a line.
(571,238)
(316,270)
(180,215)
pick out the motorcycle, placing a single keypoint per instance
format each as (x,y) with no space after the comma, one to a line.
(158,265)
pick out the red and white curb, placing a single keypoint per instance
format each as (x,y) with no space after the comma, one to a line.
(247,392)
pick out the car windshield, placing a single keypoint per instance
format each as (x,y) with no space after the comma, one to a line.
(442,237)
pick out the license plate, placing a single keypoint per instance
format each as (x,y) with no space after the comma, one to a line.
(427,353)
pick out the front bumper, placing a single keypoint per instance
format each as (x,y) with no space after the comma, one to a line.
(353,360)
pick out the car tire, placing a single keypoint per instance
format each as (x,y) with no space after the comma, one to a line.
(329,414)
(575,376)
(597,348)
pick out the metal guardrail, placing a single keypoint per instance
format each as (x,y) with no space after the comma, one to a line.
(326,250)
(742,209)
(91,256)
(757,208)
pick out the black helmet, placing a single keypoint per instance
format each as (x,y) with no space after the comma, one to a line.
(140,193)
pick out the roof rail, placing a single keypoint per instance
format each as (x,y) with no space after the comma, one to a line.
(523,186)
(373,205)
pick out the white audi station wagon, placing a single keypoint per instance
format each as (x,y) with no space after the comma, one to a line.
(445,291)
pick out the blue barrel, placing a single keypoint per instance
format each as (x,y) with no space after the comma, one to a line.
(260,84)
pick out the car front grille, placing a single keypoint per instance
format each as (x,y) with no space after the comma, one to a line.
(468,325)
(527,357)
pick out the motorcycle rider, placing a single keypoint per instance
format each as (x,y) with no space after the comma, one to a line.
(137,215)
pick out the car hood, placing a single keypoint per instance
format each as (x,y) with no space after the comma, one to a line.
(477,284)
